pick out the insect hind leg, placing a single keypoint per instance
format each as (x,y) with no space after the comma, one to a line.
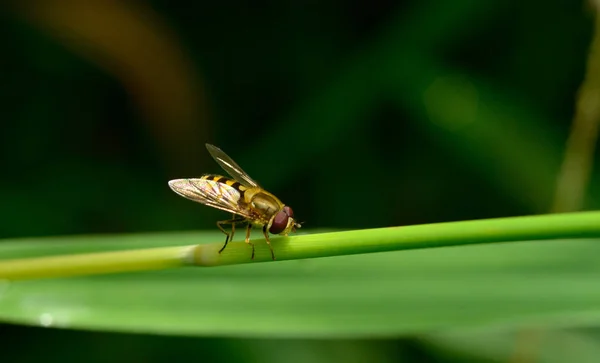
(266,233)
(229,237)
(248,230)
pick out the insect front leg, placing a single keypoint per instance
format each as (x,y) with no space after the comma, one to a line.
(248,229)
(266,233)
(229,237)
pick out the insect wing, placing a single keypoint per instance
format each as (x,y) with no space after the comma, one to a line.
(211,193)
(230,166)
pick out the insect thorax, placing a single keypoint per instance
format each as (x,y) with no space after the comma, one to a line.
(265,203)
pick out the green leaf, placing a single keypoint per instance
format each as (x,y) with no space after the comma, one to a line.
(379,294)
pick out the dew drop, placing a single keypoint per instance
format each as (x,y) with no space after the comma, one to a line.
(46,320)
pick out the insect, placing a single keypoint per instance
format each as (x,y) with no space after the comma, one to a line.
(249,203)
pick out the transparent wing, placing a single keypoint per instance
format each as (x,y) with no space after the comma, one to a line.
(211,193)
(230,166)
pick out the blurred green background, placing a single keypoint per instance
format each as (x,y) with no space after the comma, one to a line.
(357,114)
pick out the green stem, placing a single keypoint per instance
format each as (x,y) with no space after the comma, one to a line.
(95,263)
(542,227)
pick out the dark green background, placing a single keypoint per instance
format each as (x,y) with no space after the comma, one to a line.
(357,114)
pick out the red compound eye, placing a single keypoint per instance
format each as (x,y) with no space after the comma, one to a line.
(288,211)
(279,222)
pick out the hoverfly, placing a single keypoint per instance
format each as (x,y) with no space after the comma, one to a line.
(249,203)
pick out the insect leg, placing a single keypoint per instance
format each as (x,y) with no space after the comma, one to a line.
(268,241)
(248,229)
(229,237)
(232,228)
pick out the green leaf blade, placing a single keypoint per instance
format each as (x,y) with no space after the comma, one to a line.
(379,294)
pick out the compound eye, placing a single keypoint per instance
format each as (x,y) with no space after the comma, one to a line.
(288,211)
(279,222)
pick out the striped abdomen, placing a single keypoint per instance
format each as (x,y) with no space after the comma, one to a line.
(232,183)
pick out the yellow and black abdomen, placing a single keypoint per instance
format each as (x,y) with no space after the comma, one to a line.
(261,201)
(228,181)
